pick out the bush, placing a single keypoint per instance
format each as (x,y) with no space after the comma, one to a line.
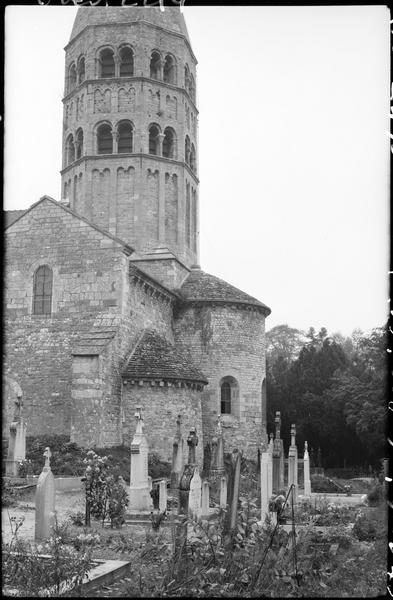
(375,495)
(66,459)
(157,468)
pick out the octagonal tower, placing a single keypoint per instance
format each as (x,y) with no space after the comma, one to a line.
(131,128)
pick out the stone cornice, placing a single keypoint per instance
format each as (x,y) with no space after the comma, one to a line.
(151,285)
(163,382)
(238,305)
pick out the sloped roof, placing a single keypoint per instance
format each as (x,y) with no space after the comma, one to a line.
(127,249)
(94,341)
(11,215)
(170,18)
(203,287)
(156,358)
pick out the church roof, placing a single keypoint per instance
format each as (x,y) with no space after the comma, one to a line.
(156,358)
(203,287)
(170,18)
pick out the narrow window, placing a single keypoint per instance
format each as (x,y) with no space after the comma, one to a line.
(187,78)
(169,69)
(72,77)
(124,143)
(155,64)
(226,398)
(126,62)
(153,139)
(107,63)
(192,158)
(81,70)
(42,291)
(104,139)
(168,145)
(188,215)
(192,88)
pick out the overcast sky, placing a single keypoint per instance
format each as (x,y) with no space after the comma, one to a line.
(293,149)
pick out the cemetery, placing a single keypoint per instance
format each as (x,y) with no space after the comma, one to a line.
(235,527)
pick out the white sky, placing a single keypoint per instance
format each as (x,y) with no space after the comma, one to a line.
(293,149)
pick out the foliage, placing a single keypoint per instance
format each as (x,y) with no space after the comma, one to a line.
(375,496)
(335,392)
(9,495)
(77,518)
(66,459)
(25,467)
(105,490)
(32,574)
(157,469)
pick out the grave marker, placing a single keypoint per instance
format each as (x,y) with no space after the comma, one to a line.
(292,464)
(278,457)
(265,487)
(162,496)
(194,503)
(205,499)
(306,467)
(223,492)
(188,472)
(177,455)
(45,501)
(16,440)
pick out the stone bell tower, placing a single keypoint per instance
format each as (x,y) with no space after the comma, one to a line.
(131,128)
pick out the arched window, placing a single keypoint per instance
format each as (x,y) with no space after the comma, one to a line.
(42,291)
(79,143)
(153,139)
(107,63)
(104,139)
(70,150)
(155,65)
(72,77)
(187,150)
(225,398)
(192,88)
(126,62)
(81,70)
(124,143)
(169,143)
(193,158)
(229,396)
(169,69)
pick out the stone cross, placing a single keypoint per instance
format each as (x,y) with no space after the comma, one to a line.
(177,455)
(192,442)
(47,455)
(139,420)
(219,425)
(18,407)
(178,424)
(293,463)
(139,493)
(293,435)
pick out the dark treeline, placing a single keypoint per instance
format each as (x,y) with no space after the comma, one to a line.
(334,388)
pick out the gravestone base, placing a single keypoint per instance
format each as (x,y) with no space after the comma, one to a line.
(215,483)
(140,499)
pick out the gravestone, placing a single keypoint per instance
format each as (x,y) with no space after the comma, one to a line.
(139,491)
(194,502)
(205,499)
(16,439)
(306,467)
(278,457)
(177,456)
(265,486)
(292,464)
(270,467)
(188,472)
(162,491)
(223,492)
(45,501)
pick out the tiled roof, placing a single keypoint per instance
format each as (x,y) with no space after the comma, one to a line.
(94,341)
(156,358)
(171,18)
(11,215)
(203,287)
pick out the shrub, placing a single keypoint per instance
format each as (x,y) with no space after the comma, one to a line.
(375,495)
(66,459)
(77,518)
(157,468)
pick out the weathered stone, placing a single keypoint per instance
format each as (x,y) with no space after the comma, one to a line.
(45,501)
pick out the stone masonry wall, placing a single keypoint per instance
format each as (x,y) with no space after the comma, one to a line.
(87,284)
(160,406)
(227,341)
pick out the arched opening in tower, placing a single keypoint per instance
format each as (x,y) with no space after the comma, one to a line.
(107,63)
(126,62)
(79,143)
(155,64)
(169,143)
(70,150)
(169,69)
(153,139)
(187,150)
(104,139)
(72,77)
(193,158)
(124,143)
(81,70)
